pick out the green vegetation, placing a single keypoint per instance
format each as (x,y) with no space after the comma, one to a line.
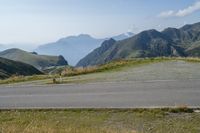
(171,42)
(118,64)
(55,69)
(18,79)
(9,68)
(180,120)
(197,60)
(38,61)
(125,70)
(70,71)
(72,74)
(114,65)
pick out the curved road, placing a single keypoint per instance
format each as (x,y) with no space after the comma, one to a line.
(127,94)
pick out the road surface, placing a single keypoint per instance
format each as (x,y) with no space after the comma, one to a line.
(126,94)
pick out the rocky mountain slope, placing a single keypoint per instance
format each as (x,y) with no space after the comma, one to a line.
(170,42)
(74,48)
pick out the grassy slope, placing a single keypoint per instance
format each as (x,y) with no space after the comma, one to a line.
(72,75)
(115,65)
(122,69)
(39,61)
(101,120)
(9,68)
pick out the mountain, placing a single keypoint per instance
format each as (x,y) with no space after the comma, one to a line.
(38,61)
(9,68)
(170,42)
(23,46)
(95,57)
(123,36)
(146,44)
(184,36)
(187,37)
(74,48)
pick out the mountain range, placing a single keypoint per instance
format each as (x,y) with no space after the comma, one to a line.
(32,58)
(9,68)
(73,48)
(184,41)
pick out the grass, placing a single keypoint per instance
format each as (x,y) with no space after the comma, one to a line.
(114,65)
(118,64)
(100,121)
(191,59)
(69,72)
(18,79)
(111,66)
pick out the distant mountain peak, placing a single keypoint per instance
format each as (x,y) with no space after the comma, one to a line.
(85,35)
(195,26)
(12,50)
(150,43)
(76,38)
(74,48)
(129,34)
(123,36)
(152,33)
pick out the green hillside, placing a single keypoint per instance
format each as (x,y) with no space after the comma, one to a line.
(38,61)
(9,68)
(183,42)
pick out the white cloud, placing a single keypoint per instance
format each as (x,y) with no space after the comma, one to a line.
(166,14)
(181,13)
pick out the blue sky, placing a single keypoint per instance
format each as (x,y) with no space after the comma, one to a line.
(42,21)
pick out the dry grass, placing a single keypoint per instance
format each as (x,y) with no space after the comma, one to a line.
(111,66)
(117,64)
(17,79)
(114,65)
(191,59)
(79,71)
(99,121)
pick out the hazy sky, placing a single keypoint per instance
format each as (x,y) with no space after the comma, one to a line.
(42,21)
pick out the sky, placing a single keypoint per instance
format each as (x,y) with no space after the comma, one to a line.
(35,22)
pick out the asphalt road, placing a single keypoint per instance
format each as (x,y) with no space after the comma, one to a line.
(127,94)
